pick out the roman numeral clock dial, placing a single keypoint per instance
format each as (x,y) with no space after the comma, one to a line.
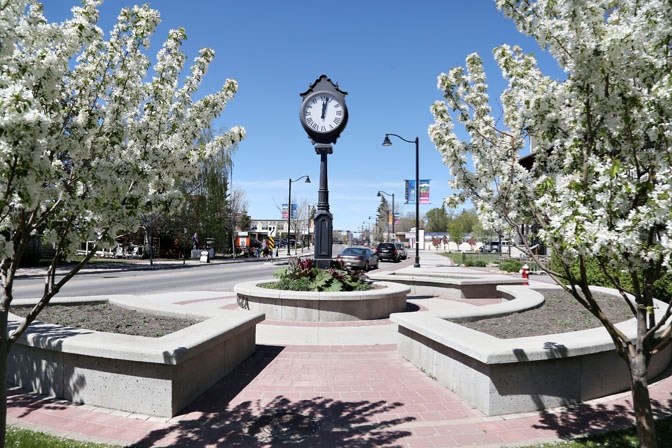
(323,111)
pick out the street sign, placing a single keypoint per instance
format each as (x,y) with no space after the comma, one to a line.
(271,243)
(271,231)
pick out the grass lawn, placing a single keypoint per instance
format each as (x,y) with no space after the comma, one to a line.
(457,257)
(23,438)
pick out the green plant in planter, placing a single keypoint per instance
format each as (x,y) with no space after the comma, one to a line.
(305,276)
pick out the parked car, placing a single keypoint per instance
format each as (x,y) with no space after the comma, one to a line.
(402,250)
(388,251)
(356,257)
(292,243)
(493,247)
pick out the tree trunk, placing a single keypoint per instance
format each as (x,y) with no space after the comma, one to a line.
(646,430)
(3,385)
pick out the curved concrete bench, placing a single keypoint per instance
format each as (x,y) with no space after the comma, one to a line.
(152,376)
(457,285)
(504,376)
(311,306)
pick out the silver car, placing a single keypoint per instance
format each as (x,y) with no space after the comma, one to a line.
(356,257)
(401,249)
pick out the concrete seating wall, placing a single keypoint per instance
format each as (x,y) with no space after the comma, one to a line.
(151,376)
(503,376)
(462,286)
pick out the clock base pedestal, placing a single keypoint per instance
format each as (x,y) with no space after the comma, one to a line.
(323,239)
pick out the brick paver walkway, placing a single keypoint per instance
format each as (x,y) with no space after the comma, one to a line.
(326,396)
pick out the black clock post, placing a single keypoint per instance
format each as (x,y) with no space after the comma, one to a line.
(324,227)
(323,115)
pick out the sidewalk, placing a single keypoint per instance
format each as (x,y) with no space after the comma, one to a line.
(115,265)
(325,385)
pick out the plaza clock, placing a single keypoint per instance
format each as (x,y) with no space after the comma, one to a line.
(323,112)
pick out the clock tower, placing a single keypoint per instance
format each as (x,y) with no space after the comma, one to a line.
(323,115)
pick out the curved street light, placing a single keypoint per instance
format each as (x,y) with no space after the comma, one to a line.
(387,142)
(380,194)
(289,209)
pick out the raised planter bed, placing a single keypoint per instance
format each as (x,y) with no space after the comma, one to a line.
(504,376)
(307,306)
(151,376)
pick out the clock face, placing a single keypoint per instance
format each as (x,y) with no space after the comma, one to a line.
(323,113)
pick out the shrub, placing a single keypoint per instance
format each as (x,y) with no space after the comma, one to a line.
(305,276)
(476,263)
(662,289)
(510,265)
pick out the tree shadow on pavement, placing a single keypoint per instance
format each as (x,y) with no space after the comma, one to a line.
(586,419)
(318,422)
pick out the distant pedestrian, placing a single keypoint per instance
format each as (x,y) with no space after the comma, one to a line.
(264,248)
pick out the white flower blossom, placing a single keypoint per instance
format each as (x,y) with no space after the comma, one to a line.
(92,128)
(600,186)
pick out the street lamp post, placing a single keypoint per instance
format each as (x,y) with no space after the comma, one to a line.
(387,142)
(233,214)
(311,213)
(289,209)
(184,246)
(380,193)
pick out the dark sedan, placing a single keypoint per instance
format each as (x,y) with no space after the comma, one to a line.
(358,258)
(388,251)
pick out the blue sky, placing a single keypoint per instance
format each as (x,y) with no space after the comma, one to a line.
(385,54)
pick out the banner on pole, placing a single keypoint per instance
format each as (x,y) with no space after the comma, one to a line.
(295,208)
(410,191)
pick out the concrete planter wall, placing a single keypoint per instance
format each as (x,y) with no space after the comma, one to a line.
(152,376)
(504,376)
(322,306)
(456,286)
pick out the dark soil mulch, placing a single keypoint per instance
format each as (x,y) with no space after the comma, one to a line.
(560,313)
(108,318)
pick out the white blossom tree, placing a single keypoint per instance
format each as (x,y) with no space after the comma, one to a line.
(90,133)
(238,205)
(600,187)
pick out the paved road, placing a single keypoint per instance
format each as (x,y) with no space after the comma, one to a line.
(138,277)
(142,279)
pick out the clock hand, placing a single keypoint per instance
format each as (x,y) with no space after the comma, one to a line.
(324,108)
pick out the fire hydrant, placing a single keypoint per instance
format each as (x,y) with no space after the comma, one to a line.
(525,273)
